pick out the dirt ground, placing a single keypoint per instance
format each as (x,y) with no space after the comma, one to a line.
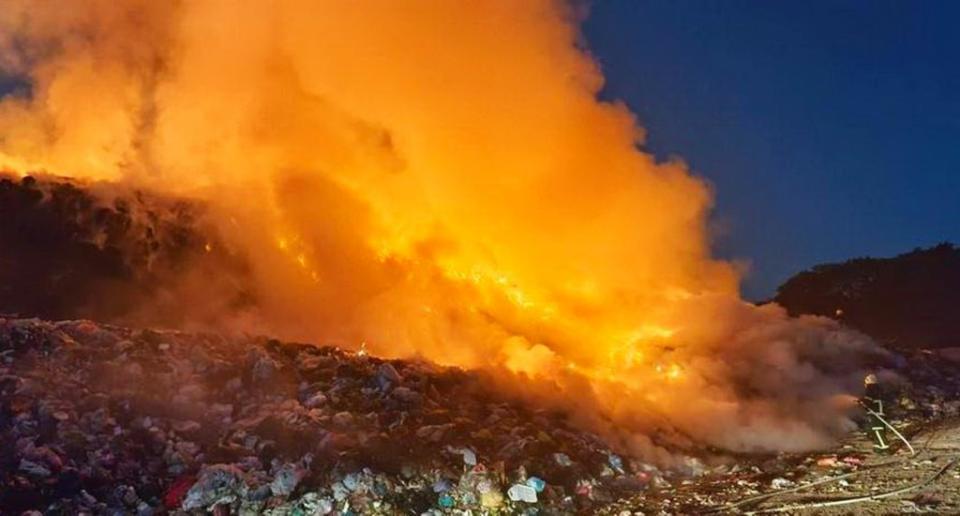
(851,479)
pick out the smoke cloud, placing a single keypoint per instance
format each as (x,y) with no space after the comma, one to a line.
(436,179)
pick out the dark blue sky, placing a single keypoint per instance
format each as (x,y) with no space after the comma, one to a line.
(829,129)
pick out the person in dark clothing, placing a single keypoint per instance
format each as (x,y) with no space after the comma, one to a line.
(873,401)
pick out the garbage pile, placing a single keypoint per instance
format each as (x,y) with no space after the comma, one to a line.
(930,384)
(101,419)
(104,419)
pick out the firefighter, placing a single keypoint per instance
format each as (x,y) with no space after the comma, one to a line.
(874,404)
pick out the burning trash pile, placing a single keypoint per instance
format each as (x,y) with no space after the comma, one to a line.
(97,418)
(336,175)
(100,418)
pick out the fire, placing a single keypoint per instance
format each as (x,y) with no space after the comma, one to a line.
(431,178)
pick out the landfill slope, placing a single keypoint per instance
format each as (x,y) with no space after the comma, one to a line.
(108,420)
(103,419)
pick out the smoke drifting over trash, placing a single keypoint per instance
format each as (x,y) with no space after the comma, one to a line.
(434,179)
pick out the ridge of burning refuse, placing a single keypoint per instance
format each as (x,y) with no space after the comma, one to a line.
(98,416)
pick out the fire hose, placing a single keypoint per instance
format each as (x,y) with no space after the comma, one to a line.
(894,430)
(864,498)
(757,498)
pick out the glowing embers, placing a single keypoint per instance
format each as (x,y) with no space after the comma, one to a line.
(671,372)
(17,166)
(298,252)
(494,284)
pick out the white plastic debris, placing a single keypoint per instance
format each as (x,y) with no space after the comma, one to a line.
(522,493)
(781,483)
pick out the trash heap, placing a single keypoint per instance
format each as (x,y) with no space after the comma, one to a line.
(105,419)
(930,384)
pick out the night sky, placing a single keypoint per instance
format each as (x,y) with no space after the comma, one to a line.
(829,129)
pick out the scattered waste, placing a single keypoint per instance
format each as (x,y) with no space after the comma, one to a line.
(117,420)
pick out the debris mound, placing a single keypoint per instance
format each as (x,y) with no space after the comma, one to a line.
(106,419)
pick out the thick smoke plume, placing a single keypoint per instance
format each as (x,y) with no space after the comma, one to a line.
(430,178)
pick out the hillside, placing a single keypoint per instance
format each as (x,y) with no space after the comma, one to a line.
(908,301)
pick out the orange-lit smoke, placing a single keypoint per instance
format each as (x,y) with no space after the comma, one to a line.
(431,178)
